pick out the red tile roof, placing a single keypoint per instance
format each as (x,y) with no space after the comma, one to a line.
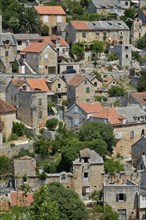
(75,80)
(89,108)
(34,47)
(17,82)
(80,25)
(20,199)
(50,10)
(52,40)
(4,205)
(6,107)
(38,84)
(108,80)
(111,115)
(140,97)
(35,84)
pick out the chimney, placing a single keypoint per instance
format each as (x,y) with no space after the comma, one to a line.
(0,22)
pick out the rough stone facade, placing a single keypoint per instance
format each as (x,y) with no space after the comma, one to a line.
(8,119)
(123,198)
(33,108)
(80,93)
(44,62)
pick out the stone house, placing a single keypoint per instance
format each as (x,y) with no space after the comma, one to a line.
(87,172)
(79,89)
(52,16)
(85,176)
(58,86)
(98,83)
(138,98)
(27,84)
(7,117)
(125,4)
(138,150)
(114,32)
(108,82)
(136,29)
(39,57)
(33,108)
(23,40)
(124,54)
(105,7)
(123,198)
(79,113)
(8,50)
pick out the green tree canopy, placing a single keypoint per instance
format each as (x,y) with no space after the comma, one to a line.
(113,166)
(51,124)
(117,91)
(141,86)
(43,207)
(141,43)
(69,204)
(98,46)
(5,163)
(78,50)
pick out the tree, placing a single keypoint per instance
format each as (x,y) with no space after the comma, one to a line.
(5,163)
(141,43)
(141,86)
(97,131)
(78,51)
(42,146)
(18,129)
(112,56)
(98,46)
(113,166)
(44,30)
(105,212)
(117,91)
(30,21)
(43,207)
(51,124)
(69,204)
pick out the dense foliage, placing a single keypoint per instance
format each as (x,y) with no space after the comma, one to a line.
(117,91)
(51,124)
(141,86)
(113,166)
(5,165)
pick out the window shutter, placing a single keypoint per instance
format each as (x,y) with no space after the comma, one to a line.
(124,197)
(117,197)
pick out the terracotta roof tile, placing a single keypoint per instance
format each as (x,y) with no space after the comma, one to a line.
(144,12)
(38,84)
(18,198)
(17,82)
(35,84)
(80,25)
(50,10)
(4,205)
(6,107)
(35,47)
(140,97)
(89,108)
(111,115)
(75,80)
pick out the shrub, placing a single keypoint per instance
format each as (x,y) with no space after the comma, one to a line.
(51,124)
(18,129)
(13,137)
(43,176)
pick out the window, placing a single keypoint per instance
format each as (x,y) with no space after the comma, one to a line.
(97,33)
(24,87)
(126,47)
(85,159)
(126,3)
(40,101)
(95,83)
(87,100)
(6,53)
(40,114)
(46,56)
(87,89)
(76,121)
(85,82)
(69,88)
(59,85)
(46,67)
(59,18)
(45,18)
(19,42)
(120,197)
(131,134)
(84,34)
(85,175)
(59,96)
(63,176)
(52,69)
(126,56)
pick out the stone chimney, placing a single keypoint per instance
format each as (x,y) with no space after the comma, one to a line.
(0,22)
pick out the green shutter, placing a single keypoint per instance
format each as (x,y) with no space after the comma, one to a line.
(87,90)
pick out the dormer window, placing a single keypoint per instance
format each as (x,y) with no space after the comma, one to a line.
(86,159)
